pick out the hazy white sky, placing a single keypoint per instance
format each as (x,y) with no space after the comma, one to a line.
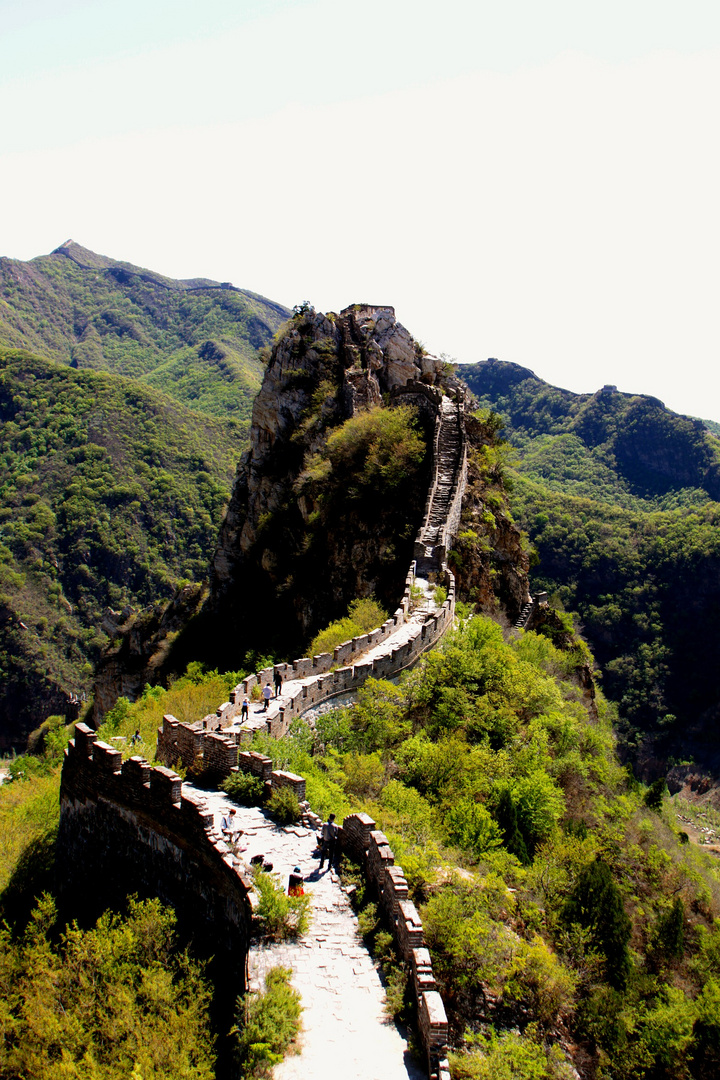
(536,181)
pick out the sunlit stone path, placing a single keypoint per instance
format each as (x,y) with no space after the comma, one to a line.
(345,1033)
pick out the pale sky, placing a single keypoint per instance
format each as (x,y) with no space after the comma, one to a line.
(534,180)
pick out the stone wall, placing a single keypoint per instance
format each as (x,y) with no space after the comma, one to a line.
(368,846)
(127,828)
(194,745)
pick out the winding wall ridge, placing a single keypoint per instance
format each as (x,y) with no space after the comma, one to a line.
(309,681)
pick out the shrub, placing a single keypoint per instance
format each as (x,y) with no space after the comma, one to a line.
(655,794)
(333,635)
(280,916)
(470,826)
(509,1056)
(283,806)
(668,939)
(506,817)
(377,447)
(244,789)
(105,1000)
(271,1022)
(367,613)
(363,615)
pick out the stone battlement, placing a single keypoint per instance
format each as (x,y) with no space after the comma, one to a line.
(369,846)
(126,827)
(217,750)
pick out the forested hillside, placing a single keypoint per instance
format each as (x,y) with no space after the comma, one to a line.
(618,496)
(573,927)
(196,340)
(111,495)
(122,428)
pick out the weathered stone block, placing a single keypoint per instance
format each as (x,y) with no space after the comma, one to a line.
(165,785)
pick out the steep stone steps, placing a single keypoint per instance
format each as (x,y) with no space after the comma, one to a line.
(524,615)
(449,456)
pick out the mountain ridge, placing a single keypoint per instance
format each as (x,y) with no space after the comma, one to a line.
(619,497)
(198,340)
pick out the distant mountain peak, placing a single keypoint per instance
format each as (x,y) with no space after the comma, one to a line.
(83,256)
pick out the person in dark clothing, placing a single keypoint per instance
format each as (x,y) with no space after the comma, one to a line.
(278,683)
(329,842)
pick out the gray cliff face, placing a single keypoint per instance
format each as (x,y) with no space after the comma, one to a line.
(322,372)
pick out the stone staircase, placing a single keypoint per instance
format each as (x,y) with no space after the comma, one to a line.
(448,478)
(524,616)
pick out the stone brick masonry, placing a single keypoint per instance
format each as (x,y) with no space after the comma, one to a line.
(369,846)
(128,828)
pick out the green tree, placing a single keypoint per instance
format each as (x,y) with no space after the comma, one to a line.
(105,1001)
(656,793)
(596,904)
(506,817)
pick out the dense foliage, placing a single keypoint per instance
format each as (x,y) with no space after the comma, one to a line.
(114,1001)
(567,919)
(110,496)
(616,493)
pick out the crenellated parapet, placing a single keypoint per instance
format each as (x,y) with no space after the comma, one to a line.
(368,846)
(127,827)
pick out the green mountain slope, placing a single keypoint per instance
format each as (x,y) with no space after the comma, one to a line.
(617,494)
(198,340)
(111,494)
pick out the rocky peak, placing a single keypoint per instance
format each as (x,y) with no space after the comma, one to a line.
(363,352)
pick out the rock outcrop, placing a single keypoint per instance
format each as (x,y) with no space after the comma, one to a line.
(306,532)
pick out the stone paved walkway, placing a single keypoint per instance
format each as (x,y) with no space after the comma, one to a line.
(258,717)
(345,1034)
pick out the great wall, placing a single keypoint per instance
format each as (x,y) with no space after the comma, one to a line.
(126,826)
(212,743)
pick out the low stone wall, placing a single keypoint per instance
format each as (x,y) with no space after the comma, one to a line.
(368,846)
(126,827)
(250,761)
(192,745)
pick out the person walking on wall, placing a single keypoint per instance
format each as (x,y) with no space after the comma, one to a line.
(267,694)
(244,710)
(278,683)
(329,842)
